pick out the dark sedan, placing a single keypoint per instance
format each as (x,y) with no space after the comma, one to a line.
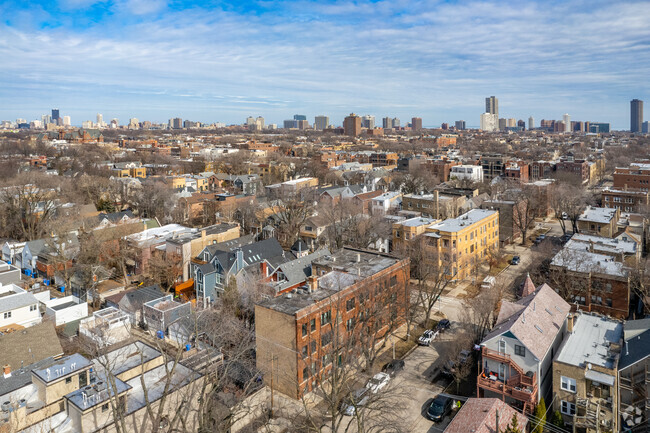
(439,408)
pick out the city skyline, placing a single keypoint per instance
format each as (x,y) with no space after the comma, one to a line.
(155,61)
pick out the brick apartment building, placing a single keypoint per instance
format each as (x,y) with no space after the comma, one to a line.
(636,176)
(383,159)
(440,168)
(434,205)
(517,170)
(627,200)
(300,334)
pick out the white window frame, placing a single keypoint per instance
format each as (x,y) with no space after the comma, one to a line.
(7,315)
(502,346)
(567,408)
(567,383)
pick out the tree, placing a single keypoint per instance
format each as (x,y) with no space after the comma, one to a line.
(165,269)
(540,417)
(557,420)
(525,210)
(480,312)
(513,427)
(291,214)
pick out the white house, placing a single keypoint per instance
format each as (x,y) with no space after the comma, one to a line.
(18,307)
(517,354)
(380,205)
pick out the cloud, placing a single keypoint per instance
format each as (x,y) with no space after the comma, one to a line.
(434,59)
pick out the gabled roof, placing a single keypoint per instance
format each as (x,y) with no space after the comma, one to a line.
(528,287)
(230,245)
(29,345)
(479,415)
(297,271)
(132,300)
(635,349)
(534,320)
(116,216)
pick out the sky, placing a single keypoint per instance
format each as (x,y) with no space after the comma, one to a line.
(222,61)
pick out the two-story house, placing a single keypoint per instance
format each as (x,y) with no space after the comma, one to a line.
(517,354)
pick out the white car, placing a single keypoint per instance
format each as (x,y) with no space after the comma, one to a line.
(427,337)
(378,382)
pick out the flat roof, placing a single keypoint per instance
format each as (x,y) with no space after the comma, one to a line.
(417,222)
(463,221)
(601,215)
(126,357)
(62,367)
(590,342)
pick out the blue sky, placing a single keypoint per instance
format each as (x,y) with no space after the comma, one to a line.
(225,60)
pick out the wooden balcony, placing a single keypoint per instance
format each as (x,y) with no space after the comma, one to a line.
(512,388)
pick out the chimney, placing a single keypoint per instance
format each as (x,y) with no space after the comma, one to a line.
(313,283)
(569,324)
(6,370)
(203,233)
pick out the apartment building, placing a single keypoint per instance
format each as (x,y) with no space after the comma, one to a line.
(585,387)
(471,172)
(600,221)
(383,159)
(434,205)
(627,200)
(636,176)
(593,281)
(517,354)
(407,230)
(462,243)
(129,169)
(300,334)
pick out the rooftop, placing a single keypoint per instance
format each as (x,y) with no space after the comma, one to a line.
(126,357)
(417,222)
(602,244)
(62,367)
(577,258)
(601,215)
(463,221)
(595,341)
(359,262)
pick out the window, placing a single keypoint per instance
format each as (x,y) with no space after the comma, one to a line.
(502,346)
(568,384)
(304,329)
(326,318)
(7,315)
(325,338)
(104,407)
(304,351)
(33,307)
(393,280)
(312,324)
(350,324)
(325,360)
(313,346)
(305,373)
(520,350)
(568,408)
(349,304)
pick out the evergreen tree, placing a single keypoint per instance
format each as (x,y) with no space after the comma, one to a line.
(557,419)
(540,417)
(513,427)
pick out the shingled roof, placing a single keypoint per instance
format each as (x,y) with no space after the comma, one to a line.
(479,415)
(534,320)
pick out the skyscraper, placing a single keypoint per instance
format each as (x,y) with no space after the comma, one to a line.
(416,123)
(460,125)
(531,123)
(352,125)
(396,122)
(321,122)
(100,120)
(492,105)
(636,115)
(299,117)
(66,120)
(368,122)
(503,123)
(55,115)
(566,119)
(387,123)
(489,122)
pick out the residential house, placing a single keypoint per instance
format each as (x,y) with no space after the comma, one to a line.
(9,274)
(22,347)
(601,221)
(295,273)
(385,203)
(517,354)
(217,264)
(132,301)
(585,372)
(159,314)
(481,415)
(20,307)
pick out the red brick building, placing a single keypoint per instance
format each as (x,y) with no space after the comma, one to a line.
(636,176)
(351,294)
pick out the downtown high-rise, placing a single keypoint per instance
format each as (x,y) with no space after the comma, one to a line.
(492,105)
(636,115)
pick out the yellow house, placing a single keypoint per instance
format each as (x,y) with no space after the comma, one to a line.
(140,172)
(462,244)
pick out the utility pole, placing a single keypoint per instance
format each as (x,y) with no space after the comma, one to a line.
(272,359)
(497,429)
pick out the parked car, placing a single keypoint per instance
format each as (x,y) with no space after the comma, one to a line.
(439,408)
(393,367)
(378,382)
(443,325)
(488,282)
(515,260)
(565,215)
(566,237)
(427,337)
(356,399)
(450,366)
